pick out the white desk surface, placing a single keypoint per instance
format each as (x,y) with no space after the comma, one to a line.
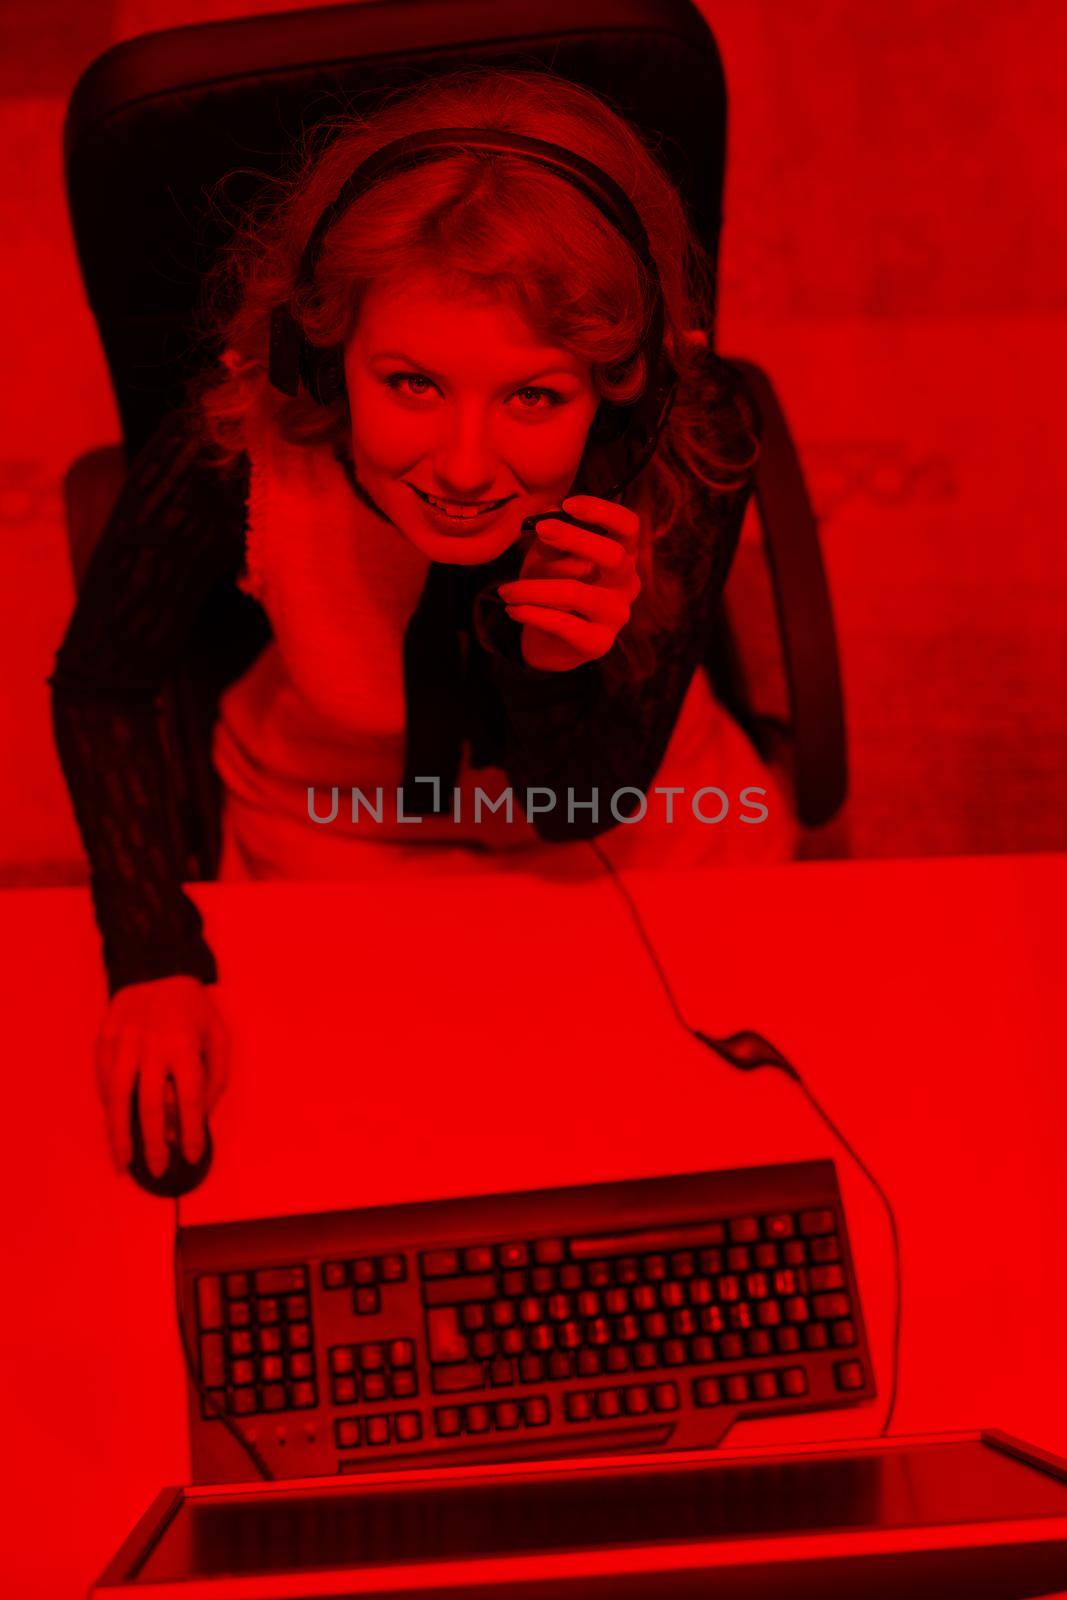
(452,1033)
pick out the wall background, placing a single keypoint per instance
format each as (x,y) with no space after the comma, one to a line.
(892,255)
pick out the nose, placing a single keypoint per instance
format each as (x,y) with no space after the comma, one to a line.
(465,460)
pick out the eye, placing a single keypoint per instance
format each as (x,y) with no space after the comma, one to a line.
(414,384)
(550,397)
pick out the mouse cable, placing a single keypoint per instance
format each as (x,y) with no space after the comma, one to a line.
(211,1407)
(747,1051)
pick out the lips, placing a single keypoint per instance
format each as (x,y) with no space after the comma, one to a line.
(457,511)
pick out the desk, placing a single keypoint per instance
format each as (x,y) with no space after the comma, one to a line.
(452,1032)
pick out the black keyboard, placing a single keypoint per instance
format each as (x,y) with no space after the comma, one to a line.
(646,1313)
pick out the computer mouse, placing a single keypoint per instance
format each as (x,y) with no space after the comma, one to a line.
(180,1175)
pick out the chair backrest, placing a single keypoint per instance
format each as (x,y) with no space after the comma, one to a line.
(156,123)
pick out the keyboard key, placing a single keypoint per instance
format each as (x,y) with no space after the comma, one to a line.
(794,1382)
(559,1307)
(342,1359)
(299,1334)
(578,1407)
(347,1432)
(712,1319)
(812,1222)
(513,1341)
(617,1358)
(447,1421)
(536,1410)
(728,1287)
(768,1313)
(209,1302)
(301,1365)
(644,1297)
(796,1309)
(568,1336)
(334,1274)
(541,1337)
(570,1277)
(655,1268)
(665,1397)
(401,1353)
(531,1369)
(452,1291)
(589,1363)
(794,1253)
(674,1353)
(588,1303)
(477,1419)
(513,1255)
(239,1314)
(376,1430)
(756,1287)
(473,1317)
(267,1310)
(731,1347)
(272,1397)
(408,1427)
(503,1314)
(849,1375)
(645,1354)
(711,1262)
(654,1325)
(514,1283)
(242,1372)
(502,1373)
(738,1258)
(271,1368)
(302,1395)
(237,1286)
(478,1258)
(737,1387)
(438,1263)
(375,1386)
(456,1379)
(608,1403)
(671,1295)
(743,1230)
(702,1348)
(706,1391)
(637,1400)
(765,1256)
(241,1402)
(560,1364)
(683,1322)
(741,1315)
(547,1252)
(543,1280)
(843,1333)
(404,1383)
(816,1337)
(617,1302)
(758,1342)
(393,1269)
(779,1226)
(830,1305)
(598,1332)
(820,1278)
(597,1274)
(447,1340)
(507,1414)
(825,1249)
(239,1343)
(268,1340)
(787,1340)
(296,1308)
(765,1385)
(344,1391)
(212,1363)
(700,1292)
(627,1270)
(683,1263)
(364,1272)
(785,1281)
(371,1357)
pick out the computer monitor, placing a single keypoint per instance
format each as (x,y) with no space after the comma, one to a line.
(973,1514)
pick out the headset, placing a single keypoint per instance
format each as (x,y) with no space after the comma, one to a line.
(622,438)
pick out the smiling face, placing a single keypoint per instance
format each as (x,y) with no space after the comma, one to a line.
(464,421)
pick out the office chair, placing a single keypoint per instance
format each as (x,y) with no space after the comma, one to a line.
(155,123)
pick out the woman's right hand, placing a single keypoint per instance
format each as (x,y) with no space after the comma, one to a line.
(168,1028)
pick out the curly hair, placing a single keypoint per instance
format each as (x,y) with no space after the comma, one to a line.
(502,224)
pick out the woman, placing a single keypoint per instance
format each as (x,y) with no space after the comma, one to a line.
(429,629)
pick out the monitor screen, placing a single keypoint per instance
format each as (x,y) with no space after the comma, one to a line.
(367,1527)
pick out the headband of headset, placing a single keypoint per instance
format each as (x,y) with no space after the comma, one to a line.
(294,360)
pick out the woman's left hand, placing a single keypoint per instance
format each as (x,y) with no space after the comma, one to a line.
(577,587)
